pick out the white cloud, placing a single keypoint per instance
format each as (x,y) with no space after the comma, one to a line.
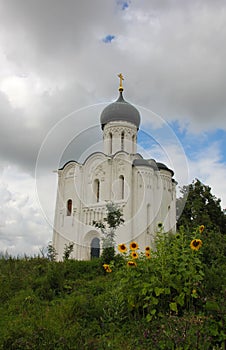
(209,168)
(53,62)
(23,228)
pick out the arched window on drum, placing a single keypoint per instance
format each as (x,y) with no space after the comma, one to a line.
(121,187)
(122,140)
(110,143)
(69,207)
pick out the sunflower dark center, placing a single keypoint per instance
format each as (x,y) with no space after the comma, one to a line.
(196,243)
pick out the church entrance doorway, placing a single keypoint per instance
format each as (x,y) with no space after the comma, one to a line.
(95,248)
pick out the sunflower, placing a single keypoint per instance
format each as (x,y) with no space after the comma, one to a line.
(147,249)
(160,225)
(134,255)
(148,255)
(131,263)
(122,248)
(133,246)
(196,244)
(201,228)
(106,266)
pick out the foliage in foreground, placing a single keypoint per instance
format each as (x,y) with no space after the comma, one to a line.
(170,298)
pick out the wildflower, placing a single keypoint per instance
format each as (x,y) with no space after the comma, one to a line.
(131,263)
(122,248)
(133,246)
(134,255)
(201,228)
(196,244)
(107,267)
(147,254)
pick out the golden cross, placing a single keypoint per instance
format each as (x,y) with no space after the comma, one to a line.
(121,79)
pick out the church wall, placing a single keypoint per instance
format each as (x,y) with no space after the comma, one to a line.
(142,211)
(147,196)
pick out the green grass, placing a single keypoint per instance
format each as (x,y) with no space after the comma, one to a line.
(77,305)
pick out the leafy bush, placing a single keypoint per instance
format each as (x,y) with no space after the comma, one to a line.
(172,297)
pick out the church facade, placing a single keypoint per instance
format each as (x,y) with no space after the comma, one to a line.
(143,188)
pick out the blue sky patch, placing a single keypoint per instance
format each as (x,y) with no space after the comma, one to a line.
(123,4)
(108,38)
(194,143)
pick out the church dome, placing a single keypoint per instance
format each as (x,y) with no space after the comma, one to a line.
(120,110)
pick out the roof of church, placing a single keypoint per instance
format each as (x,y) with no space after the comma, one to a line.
(152,163)
(120,110)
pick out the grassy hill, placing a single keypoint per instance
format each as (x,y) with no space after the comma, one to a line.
(173,298)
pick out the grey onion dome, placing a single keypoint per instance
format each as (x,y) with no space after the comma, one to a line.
(120,110)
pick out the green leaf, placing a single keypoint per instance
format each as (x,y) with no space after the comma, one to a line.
(180,299)
(173,307)
(149,317)
(212,306)
(159,291)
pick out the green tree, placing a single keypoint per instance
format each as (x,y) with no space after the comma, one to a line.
(68,249)
(51,252)
(201,208)
(108,229)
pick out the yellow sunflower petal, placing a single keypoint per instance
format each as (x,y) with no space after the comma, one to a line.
(201,228)
(122,248)
(196,244)
(134,255)
(133,246)
(131,263)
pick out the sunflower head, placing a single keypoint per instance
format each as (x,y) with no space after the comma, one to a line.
(201,228)
(122,248)
(196,244)
(148,255)
(147,249)
(134,255)
(131,263)
(107,267)
(133,246)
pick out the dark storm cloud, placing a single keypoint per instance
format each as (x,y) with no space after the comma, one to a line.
(172,54)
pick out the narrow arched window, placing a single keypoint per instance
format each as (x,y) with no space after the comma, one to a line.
(110,143)
(97,190)
(69,207)
(121,187)
(133,143)
(122,140)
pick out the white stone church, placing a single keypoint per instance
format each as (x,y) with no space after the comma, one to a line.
(143,188)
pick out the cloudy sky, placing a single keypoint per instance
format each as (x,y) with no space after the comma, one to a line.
(59,64)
